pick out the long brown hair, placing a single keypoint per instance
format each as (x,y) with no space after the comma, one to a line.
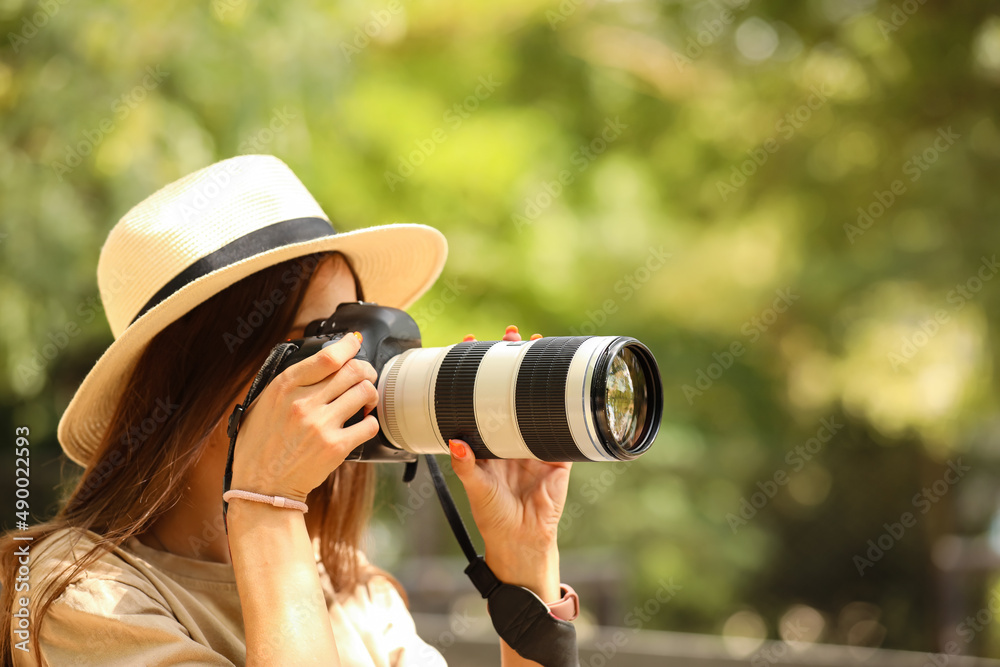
(196,365)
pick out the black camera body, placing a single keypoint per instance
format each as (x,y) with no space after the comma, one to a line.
(386,332)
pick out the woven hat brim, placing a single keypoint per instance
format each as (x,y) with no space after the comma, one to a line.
(395,264)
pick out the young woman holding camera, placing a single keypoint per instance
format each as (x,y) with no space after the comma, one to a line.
(137,568)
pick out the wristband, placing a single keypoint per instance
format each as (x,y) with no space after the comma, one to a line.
(566,608)
(276,501)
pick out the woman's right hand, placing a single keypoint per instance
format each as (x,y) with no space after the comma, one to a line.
(293,436)
(291,439)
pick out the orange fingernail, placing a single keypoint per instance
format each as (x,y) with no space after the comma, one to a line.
(457,449)
(469,337)
(512,329)
(535,336)
(359,336)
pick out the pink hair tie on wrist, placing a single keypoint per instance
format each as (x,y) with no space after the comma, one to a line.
(566,608)
(276,501)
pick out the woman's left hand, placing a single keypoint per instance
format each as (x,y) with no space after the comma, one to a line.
(517,504)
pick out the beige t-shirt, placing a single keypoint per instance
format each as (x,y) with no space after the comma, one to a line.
(140,606)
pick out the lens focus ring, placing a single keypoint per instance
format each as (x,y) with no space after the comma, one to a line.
(540,399)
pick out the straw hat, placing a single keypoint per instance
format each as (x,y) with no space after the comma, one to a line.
(206,231)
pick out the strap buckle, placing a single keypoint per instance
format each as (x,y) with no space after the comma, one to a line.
(482,577)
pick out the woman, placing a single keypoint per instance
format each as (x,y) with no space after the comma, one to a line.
(199,282)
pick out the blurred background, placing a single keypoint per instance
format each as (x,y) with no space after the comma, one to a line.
(792,203)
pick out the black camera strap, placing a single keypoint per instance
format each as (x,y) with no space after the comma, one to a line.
(519,616)
(263,378)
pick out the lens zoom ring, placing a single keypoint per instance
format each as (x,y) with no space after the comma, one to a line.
(540,398)
(454,395)
(391,422)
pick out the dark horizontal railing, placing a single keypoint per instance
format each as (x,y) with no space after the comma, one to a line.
(471,642)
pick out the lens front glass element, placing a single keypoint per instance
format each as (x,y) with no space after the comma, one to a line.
(625,402)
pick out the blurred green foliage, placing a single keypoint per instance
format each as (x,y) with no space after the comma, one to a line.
(717,219)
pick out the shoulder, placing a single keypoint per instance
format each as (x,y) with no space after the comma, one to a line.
(377,609)
(97,576)
(378,587)
(105,608)
(375,586)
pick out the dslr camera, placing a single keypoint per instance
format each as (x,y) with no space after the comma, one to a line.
(565,398)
